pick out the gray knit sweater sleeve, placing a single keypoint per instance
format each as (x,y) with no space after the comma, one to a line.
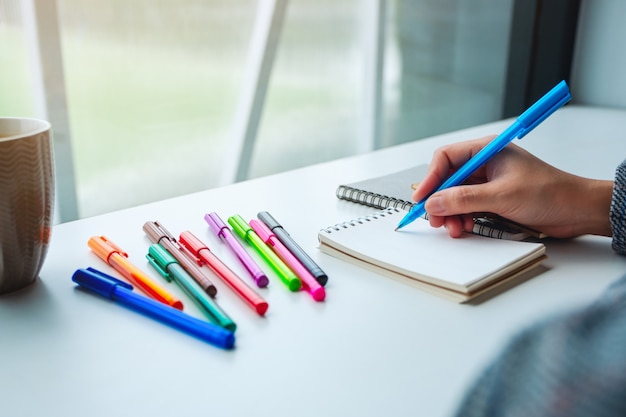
(573,365)
(568,366)
(618,210)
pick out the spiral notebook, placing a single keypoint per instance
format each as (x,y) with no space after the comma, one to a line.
(458,269)
(394,190)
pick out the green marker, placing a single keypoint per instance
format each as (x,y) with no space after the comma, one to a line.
(243,229)
(169,268)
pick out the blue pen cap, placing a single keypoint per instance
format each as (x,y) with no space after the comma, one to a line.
(98,281)
(544,107)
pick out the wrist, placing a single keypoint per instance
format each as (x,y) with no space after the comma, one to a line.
(595,211)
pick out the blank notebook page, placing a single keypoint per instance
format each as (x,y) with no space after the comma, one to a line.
(425,253)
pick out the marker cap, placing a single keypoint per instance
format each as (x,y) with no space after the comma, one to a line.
(239,225)
(98,281)
(103,247)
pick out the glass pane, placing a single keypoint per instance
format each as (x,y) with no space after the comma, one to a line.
(15,69)
(446,66)
(312,106)
(152,88)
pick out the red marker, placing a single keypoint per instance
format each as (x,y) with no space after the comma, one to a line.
(195,248)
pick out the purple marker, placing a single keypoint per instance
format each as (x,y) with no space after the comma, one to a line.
(226,235)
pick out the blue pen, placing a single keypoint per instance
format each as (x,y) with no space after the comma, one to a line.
(527,121)
(121,292)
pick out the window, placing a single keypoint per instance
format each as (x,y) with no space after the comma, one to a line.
(145,96)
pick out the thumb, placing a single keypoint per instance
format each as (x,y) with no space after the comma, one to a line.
(463,199)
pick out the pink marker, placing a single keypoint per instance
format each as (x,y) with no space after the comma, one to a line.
(309,282)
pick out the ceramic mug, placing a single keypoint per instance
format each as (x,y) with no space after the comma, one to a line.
(26,199)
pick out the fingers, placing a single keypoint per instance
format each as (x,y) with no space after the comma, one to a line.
(445,160)
(465,199)
(484,190)
(455,225)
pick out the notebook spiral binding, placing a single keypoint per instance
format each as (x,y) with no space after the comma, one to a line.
(482,226)
(360,220)
(371,199)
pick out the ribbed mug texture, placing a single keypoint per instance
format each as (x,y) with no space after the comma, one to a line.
(26,207)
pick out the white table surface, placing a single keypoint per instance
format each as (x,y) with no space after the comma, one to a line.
(375,347)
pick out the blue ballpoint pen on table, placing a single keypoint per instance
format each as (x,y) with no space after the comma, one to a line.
(527,121)
(122,292)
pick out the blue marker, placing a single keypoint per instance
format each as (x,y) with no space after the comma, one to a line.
(526,122)
(122,292)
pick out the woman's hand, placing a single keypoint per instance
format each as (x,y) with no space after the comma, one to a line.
(518,186)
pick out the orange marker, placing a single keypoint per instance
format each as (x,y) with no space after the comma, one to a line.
(113,255)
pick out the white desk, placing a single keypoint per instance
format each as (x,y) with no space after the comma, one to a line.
(374,348)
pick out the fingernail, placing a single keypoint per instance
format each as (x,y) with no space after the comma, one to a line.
(435,205)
